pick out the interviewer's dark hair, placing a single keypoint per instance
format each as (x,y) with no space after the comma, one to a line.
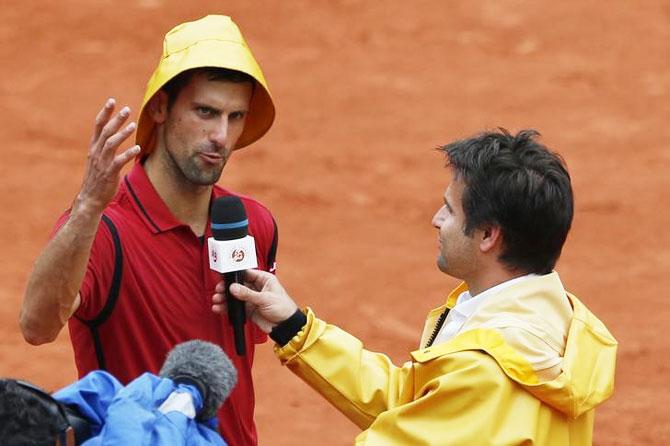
(516,183)
(25,418)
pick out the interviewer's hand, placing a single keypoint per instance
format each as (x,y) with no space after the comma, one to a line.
(267,303)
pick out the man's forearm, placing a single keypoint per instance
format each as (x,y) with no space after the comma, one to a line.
(359,383)
(52,291)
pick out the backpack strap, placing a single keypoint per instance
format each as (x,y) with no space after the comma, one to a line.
(112,297)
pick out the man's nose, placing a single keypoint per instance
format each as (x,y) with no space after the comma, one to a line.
(438,218)
(219,134)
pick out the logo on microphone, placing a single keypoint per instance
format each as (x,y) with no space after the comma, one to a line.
(214,256)
(238,255)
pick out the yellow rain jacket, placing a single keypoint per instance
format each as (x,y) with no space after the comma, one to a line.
(479,388)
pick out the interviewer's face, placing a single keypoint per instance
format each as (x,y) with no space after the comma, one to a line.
(201,128)
(456,251)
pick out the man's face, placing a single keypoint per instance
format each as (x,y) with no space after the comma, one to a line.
(457,252)
(202,127)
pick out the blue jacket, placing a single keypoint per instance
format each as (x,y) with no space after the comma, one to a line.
(136,414)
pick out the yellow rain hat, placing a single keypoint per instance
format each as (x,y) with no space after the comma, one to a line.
(212,41)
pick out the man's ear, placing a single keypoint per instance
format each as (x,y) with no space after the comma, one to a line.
(491,238)
(157,107)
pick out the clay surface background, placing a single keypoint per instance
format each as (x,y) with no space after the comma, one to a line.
(364,91)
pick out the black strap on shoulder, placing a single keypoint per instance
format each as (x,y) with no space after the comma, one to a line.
(272,252)
(112,296)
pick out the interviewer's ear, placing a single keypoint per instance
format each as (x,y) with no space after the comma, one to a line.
(491,237)
(157,107)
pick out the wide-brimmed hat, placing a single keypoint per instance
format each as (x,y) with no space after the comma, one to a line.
(212,41)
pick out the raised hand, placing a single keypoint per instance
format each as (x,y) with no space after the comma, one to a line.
(103,166)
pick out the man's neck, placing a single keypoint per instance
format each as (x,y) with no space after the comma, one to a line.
(188,202)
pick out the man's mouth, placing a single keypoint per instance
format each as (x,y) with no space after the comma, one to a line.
(211,157)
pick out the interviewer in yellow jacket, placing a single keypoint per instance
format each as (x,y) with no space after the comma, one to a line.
(511,358)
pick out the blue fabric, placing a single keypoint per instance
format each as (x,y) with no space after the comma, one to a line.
(129,415)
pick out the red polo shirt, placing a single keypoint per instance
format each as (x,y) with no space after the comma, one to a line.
(153,291)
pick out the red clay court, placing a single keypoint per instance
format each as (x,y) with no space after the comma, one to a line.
(364,91)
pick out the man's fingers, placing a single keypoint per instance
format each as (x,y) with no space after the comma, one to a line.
(257,279)
(110,129)
(251,276)
(123,158)
(114,141)
(218,298)
(102,118)
(246,294)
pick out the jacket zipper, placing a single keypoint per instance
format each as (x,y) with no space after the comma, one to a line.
(438,326)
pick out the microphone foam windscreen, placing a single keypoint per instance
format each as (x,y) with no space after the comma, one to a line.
(229,219)
(206,366)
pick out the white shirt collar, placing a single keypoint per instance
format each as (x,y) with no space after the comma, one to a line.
(466,305)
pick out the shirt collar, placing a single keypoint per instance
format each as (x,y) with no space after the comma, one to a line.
(467,304)
(147,202)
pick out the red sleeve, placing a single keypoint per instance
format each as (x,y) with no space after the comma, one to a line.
(99,271)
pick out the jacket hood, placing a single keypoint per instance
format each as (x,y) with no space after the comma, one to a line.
(212,41)
(514,324)
(587,378)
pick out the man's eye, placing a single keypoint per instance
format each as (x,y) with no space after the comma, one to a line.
(205,111)
(236,116)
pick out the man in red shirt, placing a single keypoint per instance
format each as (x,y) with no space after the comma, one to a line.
(138,284)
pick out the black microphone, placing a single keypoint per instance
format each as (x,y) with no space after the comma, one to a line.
(232,251)
(205,366)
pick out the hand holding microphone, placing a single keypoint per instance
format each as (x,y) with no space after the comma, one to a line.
(267,301)
(231,251)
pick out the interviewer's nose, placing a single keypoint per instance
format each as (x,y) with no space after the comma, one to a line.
(438,218)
